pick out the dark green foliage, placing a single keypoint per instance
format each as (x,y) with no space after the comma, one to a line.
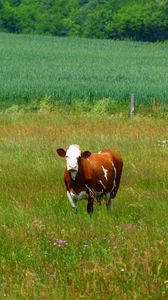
(140,20)
(146,21)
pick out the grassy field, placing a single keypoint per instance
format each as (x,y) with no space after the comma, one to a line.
(48,252)
(34,67)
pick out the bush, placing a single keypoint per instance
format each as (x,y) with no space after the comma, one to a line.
(140,20)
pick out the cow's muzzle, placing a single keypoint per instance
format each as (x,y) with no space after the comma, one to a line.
(72,170)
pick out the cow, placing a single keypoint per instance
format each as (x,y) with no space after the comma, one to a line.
(91,175)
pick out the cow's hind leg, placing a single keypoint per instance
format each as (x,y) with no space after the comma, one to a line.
(109,201)
(90,205)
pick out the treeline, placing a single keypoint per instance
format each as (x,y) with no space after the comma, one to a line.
(105,19)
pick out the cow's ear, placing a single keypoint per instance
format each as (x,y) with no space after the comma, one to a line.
(61,152)
(85,154)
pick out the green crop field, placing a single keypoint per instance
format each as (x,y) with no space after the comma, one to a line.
(34,67)
(47,251)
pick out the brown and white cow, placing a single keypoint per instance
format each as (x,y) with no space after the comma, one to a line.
(91,175)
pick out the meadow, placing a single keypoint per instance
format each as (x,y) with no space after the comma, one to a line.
(47,251)
(59,91)
(35,67)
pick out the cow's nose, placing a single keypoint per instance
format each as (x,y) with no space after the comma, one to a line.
(72,168)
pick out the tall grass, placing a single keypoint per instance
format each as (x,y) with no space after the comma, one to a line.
(34,67)
(48,252)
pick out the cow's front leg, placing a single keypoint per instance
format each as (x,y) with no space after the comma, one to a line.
(71,197)
(90,205)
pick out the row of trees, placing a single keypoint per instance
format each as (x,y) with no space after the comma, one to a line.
(111,19)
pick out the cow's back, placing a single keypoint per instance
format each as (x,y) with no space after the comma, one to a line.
(97,160)
(104,169)
(105,159)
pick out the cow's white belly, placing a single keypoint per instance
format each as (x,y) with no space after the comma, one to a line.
(73,198)
(80,196)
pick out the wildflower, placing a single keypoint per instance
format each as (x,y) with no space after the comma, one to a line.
(85,246)
(60,243)
(163,143)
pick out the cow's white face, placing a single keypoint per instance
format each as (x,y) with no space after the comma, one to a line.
(73,154)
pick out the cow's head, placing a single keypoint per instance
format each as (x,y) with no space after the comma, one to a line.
(73,155)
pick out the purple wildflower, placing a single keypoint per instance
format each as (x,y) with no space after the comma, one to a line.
(60,243)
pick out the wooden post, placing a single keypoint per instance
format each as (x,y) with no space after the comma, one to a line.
(132,106)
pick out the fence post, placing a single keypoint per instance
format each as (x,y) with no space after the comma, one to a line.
(132,106)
